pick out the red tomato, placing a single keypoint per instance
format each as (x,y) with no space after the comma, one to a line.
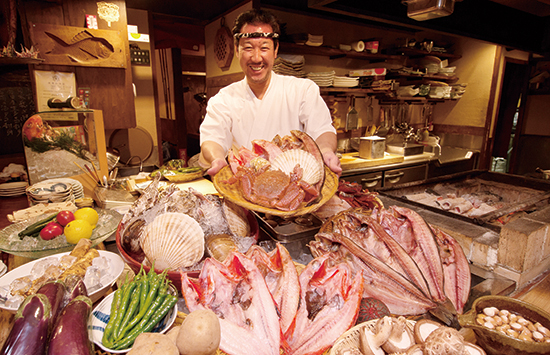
(51,231)
(64,217)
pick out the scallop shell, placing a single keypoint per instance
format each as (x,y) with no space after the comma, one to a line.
(173,240)
(236,217)
(287,160)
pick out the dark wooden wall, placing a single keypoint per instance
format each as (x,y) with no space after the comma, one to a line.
(111,88)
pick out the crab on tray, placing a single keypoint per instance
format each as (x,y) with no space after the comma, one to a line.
(284,177)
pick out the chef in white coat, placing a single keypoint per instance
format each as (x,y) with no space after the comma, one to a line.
(264,104)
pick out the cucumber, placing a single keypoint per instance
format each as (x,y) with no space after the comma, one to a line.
(35,228)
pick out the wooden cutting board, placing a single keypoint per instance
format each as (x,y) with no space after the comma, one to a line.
(352,161)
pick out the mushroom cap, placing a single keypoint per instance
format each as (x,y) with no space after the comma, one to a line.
(444,341)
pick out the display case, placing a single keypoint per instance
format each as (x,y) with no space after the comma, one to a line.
(66,143)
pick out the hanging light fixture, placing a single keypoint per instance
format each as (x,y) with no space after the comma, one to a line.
(422,10)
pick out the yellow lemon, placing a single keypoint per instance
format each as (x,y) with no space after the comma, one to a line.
(87,214)
(76,230)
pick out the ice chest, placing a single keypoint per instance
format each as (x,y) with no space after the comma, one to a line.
(372,147)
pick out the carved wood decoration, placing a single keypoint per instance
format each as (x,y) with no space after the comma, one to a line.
(223,46)
(78,46)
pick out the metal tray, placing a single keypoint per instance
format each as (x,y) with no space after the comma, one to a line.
(289,229)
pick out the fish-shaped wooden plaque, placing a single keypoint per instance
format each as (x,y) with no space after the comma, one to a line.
(78,46)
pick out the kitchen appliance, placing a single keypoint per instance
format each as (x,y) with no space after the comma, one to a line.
(405,148)
(372,147)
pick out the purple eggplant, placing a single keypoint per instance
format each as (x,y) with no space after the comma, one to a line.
(29,334)
(70,334)
(55,291)
(76,287)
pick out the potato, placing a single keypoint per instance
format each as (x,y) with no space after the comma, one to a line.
(173,333)
(153,343)
(199,333)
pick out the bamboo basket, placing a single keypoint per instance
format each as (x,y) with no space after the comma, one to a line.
(233,193)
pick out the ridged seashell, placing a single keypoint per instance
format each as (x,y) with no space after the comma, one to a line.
(173,240)
(219,246)
(287,160)
(236,217)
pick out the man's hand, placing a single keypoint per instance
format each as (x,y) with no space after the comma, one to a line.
(212,157)
(327,146)
(216,166)
(332,162)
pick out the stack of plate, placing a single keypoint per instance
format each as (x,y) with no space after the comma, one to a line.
(323,79)
(345,82)
(313,40)
(292,65)
(55,190)
(13,188)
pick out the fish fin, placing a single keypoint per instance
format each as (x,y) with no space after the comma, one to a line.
(445,311)
(74,59)
(81,36)
(56,39)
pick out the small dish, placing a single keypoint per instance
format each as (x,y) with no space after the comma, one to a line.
(100,317)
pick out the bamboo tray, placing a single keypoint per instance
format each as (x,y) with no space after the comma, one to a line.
(234,194)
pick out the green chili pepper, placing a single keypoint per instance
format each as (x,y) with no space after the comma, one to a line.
(153,292)
(144,290)
(123,307)
(134,303)
(146,325)
(115,307)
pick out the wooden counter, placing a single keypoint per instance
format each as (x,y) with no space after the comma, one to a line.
(350,161)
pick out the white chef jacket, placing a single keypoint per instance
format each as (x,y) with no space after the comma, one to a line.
(235,117)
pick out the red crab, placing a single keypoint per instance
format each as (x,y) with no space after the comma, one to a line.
(269,187)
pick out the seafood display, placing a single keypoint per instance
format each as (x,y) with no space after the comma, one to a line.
(285,173)
(401,262)
(264,306)
(148,229)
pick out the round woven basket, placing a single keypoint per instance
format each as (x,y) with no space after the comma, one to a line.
(350,338)
(233,193)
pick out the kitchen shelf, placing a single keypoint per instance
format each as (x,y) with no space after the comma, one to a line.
(330,90)
(413,52)
(437,77)
(332,53)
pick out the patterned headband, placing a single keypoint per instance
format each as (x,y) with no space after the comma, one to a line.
(256,35)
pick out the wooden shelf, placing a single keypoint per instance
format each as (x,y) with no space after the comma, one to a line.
(353,91)
(413,52)
(19,61)
(333,53)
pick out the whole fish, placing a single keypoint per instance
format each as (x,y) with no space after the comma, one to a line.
(329,305)
(82,48)
(409,267)
(424,251)
(281,277)
(456,269)
(381,281)
(237,293)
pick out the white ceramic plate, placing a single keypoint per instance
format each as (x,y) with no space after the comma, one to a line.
(116,262)
(100,317)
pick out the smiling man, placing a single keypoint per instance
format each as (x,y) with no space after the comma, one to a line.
(264,104)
